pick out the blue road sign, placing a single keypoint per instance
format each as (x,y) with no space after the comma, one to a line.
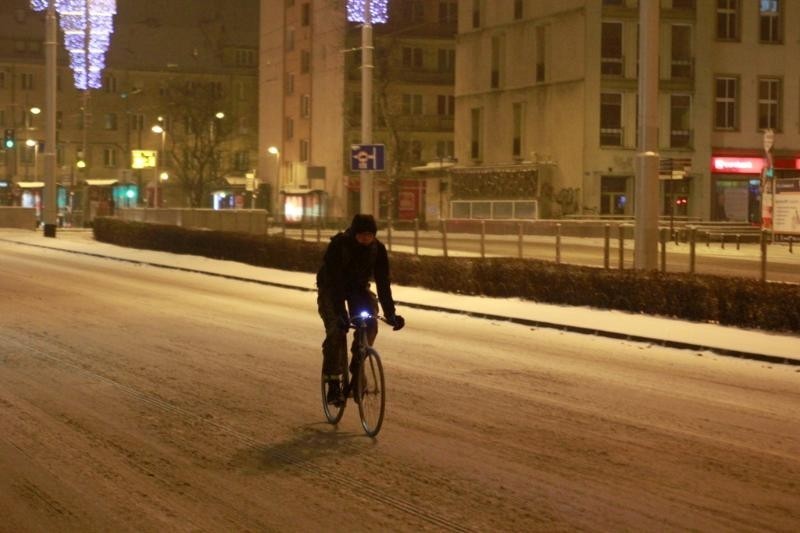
(367,157)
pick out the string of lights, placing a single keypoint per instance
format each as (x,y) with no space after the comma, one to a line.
(379,9)
(87,27)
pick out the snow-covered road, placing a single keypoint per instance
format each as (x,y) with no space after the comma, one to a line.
(143,399)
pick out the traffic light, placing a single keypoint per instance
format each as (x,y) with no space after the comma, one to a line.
(8,140)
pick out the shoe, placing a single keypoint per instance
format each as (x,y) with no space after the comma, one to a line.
(335,396)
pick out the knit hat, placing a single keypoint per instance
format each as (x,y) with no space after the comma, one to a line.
(363,224)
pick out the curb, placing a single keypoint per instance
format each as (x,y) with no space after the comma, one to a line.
(775,359)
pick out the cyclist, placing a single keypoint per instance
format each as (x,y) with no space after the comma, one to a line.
(352,258)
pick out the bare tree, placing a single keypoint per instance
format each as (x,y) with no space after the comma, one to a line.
(197,128)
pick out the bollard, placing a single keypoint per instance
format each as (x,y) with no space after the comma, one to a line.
(692,245)
(663,240)
(302,231)
(444,237)
(416,236)
(738,241)
(708,239)
(722,240)
(483,239)
(607,246)
(319,229)
(389,233)
(621,237)
(764,237)
(520,231)
(791,241)
(558,243)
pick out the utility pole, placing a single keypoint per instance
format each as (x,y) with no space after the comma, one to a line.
(646,197)
(50,212)
(367,67)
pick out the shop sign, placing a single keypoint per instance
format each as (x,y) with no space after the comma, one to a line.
(737,165)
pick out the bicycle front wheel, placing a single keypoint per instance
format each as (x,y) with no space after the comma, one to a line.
(332,412)
(369,392)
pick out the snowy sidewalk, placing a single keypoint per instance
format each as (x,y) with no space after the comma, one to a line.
(753,344)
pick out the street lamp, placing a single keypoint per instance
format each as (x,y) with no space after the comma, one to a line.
(273,150)
(158,128)
(33,143)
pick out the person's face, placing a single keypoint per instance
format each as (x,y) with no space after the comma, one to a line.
(365,238)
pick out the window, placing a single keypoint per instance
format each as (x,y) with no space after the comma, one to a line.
(769,104)
(681,66)
(610,119)
(497,51)
(445,149)
(305,14)
(447,60)
(476,132)
(412,104)
(26,81)
(728,20)
(611,63)
(289,128)
(136,122)
(412,57)
(540,52)
(59,120)
(305,61)
(415,151)
(241,160)
(613,2)
(518,125)
(613,195)
(517,9)
(769,21)
(245,58)
(445,104)
(304,150)
(725,103)
(110,121)
(683,4)
(2,80)
(110,157)
(109,83)
(680,134)
(305,105)
(476,13)
(289,39)
(290,84)
(2,117)
(448,12)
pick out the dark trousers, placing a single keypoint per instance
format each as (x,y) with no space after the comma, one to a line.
(334,347)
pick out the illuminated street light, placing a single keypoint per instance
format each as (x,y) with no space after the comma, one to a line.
(273,150)
(35,110)
(159,129)
(33,143)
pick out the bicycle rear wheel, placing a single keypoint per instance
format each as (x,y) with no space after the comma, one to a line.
(332,412)
(369,393)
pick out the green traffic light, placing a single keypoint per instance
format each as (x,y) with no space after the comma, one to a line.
(9,143)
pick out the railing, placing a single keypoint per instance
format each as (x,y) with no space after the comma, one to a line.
(685,246)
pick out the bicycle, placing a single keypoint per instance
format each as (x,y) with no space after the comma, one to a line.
(368,388)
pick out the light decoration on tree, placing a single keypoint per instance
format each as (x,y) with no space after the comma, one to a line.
(356,9)
(87,27)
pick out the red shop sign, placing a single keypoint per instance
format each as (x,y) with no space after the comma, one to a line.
(737,165)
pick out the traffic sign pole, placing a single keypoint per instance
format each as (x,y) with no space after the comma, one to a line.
(367,203)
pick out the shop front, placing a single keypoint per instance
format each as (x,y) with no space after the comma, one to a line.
(302,206)
(737,186)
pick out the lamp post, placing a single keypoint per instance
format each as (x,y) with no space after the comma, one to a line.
(158,128)
(33,143)
(276,182)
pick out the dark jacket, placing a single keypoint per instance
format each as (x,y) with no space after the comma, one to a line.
(347,268)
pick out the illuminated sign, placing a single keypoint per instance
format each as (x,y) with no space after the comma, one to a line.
(144,158)
(737,165)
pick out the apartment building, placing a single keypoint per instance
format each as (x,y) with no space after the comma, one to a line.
(546,106)
(156,44)
(310,103)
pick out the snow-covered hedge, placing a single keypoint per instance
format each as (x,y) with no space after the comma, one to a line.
(726,300)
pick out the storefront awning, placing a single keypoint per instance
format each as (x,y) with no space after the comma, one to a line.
(496,169)
(433,166)
(236,181)
(101,183)
(30,184)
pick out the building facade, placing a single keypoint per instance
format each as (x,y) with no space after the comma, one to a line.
(547,105)
(311,106)
(156,44)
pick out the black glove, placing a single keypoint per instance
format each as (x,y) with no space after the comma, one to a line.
(344,323)
(396,321)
